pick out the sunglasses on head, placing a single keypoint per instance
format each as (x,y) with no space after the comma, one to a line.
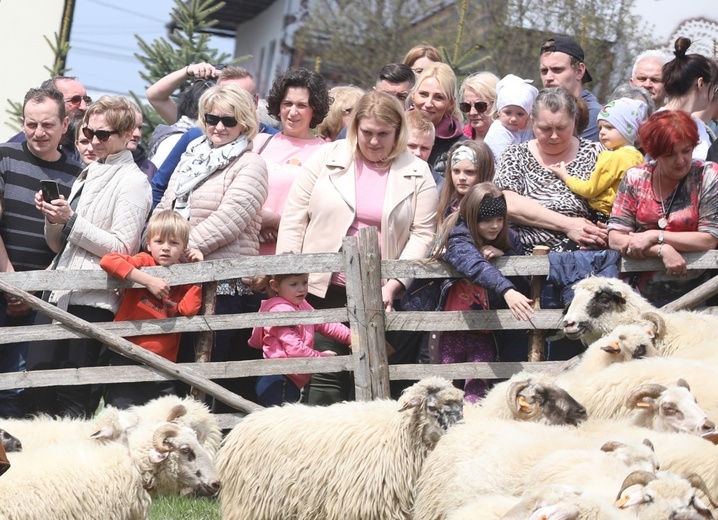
(480,106)
(102,135)
(227,121)
(76,100)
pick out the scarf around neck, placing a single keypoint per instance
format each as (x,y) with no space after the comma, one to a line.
(205,160)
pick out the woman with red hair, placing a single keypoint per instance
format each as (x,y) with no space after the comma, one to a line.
(667,206)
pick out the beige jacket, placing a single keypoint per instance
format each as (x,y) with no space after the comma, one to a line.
(322,207)
(113,207)
(225,212)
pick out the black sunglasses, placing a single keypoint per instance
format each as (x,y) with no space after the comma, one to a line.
(76,100)
(102,135)
(227,121)
(480,107)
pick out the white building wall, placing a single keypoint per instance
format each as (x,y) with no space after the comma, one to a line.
(23,23)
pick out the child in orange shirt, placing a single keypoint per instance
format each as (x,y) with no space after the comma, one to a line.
(167,238)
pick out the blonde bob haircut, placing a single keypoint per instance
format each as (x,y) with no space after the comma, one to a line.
(230,99)
(168,224)
(342,99)
(447,83)
(386,109)
(118,112)
(483,84)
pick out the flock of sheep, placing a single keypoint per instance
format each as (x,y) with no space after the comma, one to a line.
(628,433)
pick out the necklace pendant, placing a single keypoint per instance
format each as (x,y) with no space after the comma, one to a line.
(662,222)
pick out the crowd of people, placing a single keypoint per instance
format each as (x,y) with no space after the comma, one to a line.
(461,172)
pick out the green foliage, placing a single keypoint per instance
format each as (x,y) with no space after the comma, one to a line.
(186,44)
(185,508)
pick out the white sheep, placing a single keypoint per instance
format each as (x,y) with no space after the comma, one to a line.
(624,343)
(529,397)
(82,479)
(496,457)
(601,304)
(604,393)
(348,460)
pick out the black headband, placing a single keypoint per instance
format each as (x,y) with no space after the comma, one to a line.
(492,208)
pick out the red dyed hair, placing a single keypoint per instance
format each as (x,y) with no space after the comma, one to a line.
(665,129)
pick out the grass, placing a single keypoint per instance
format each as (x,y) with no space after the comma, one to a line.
(185,508)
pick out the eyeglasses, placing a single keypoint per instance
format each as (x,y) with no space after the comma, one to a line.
(480,107)
(76,100)
(227,121)
(102,135)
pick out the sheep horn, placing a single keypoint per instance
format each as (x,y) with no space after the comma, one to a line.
(683,383)
(698,483)
(512,398)
(648,390)
(162,433)
(637,477)
(611,446)
(176,412)
(659,324)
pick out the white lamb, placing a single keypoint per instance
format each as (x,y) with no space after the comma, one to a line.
(348,460)
(84,479)
(601,304)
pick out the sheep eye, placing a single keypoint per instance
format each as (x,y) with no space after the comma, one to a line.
(669,410)
(184,450)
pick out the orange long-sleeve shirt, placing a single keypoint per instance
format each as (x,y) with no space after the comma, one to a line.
(139,304)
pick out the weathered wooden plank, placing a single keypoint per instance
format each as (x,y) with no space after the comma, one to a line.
(471,320)
(497,370)
(204,340)
(131,350)
(694,297)
(180,274)
(180,324)
(134,373)
(356,314)
(370,261)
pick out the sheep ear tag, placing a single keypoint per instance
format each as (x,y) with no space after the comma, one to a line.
(156,457)
(411,403)
(611,349)
(643,404)
(621,502)
(524,405)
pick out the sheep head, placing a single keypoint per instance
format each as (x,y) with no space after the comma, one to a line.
(185,460)
(635,456)
(529,400)
(599,305)
(671,408)
(633,341)
(436,405)
(662,495)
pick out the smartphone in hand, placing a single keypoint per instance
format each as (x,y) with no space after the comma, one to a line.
(50,190)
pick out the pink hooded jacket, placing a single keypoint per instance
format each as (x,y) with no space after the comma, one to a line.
(294,341)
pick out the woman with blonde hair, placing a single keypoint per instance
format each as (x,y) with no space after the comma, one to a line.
(435,95)
(420,56)
(343,99)
(220,185)
(477,100)
(368,179)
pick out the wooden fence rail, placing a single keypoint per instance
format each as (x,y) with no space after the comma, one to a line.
(364,312)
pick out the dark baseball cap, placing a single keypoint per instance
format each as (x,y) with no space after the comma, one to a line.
(567,46)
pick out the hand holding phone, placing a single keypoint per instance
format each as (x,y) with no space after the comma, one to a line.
(50,190)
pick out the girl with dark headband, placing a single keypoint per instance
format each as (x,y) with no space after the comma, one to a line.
(473,235)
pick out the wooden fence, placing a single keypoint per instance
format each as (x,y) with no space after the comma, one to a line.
(364,312)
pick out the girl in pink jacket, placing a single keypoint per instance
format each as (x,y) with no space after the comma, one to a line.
(289,292)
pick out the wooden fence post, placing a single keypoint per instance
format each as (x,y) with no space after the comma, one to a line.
(537,338)
(204,339)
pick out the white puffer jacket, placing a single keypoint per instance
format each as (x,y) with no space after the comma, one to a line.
(111,213)
(225,212)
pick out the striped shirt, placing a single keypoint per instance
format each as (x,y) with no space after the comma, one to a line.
(22,225)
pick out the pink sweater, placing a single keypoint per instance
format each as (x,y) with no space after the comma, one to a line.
(294,341)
